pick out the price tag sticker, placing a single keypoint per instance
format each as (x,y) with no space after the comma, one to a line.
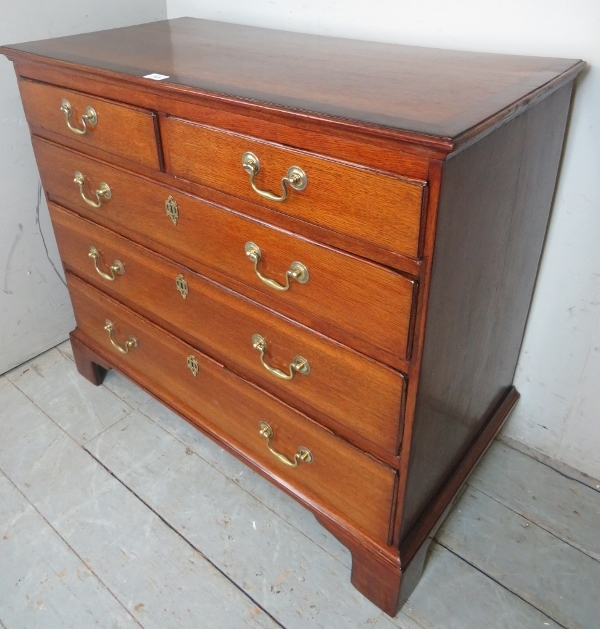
(156,77)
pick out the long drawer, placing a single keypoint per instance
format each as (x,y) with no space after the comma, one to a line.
(381,209)
(118,129)
(354,395)
(328,469)
(369,301)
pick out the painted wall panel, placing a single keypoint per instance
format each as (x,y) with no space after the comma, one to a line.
(35,310)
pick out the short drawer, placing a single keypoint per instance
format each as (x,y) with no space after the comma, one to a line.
(353,395)
(343,292)
(339,477)
(380,209)
(117,129)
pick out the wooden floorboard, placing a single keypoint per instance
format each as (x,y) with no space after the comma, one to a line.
(178,533)
(558,466)
(43,583)
(560,505)
(52,383)
(454,595)
(263,491)
(280,568)
(559,580)
(157,576)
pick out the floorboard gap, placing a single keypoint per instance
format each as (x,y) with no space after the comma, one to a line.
(500,584)
(534,522)
(547,460)
(187,541)
(244,489)
(127,611)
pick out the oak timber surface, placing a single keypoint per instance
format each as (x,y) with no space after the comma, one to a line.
(212,398)
(481,291)
(215,236)
(360,395)
(427,91)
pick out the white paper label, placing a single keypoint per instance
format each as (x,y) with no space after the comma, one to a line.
(156,77)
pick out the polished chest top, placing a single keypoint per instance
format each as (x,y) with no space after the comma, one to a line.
(320,252)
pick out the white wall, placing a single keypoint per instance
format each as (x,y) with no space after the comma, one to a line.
(559,369)
(35,311)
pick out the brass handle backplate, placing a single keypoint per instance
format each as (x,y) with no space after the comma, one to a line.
(130,343)
(103,191)
(298,365)
(295,177)
(303,455)
(89,118)
(297,270)
(116,268)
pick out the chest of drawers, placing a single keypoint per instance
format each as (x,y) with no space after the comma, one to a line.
(320,252)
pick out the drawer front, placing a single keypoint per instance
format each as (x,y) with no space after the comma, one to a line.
(343,389)
(369,301)
(119,129)
(380,209)
(339,476)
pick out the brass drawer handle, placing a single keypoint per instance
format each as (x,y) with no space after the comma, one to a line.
(116,267)
(103,191)
(297,270)
(90,117)
(295,176)
(303,455)
(298,365)
(131,342)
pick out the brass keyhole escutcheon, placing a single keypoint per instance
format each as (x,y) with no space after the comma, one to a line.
(192,364)
(182,286)
(172,209)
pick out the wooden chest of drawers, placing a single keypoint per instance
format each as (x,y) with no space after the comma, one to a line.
(320,252)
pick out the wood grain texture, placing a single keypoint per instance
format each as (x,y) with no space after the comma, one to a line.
(357,145)
(370,301)
(322,75)
(121,130)
(43,583)
(83,411)
(531,561)
(354,396)
(430,179)
(369,206)
(339,479)
(388,579)
(90,370)
(564,507)
(231,516)
(452,594)
(128,547)
(437,510)
(494,206)
(389,161)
